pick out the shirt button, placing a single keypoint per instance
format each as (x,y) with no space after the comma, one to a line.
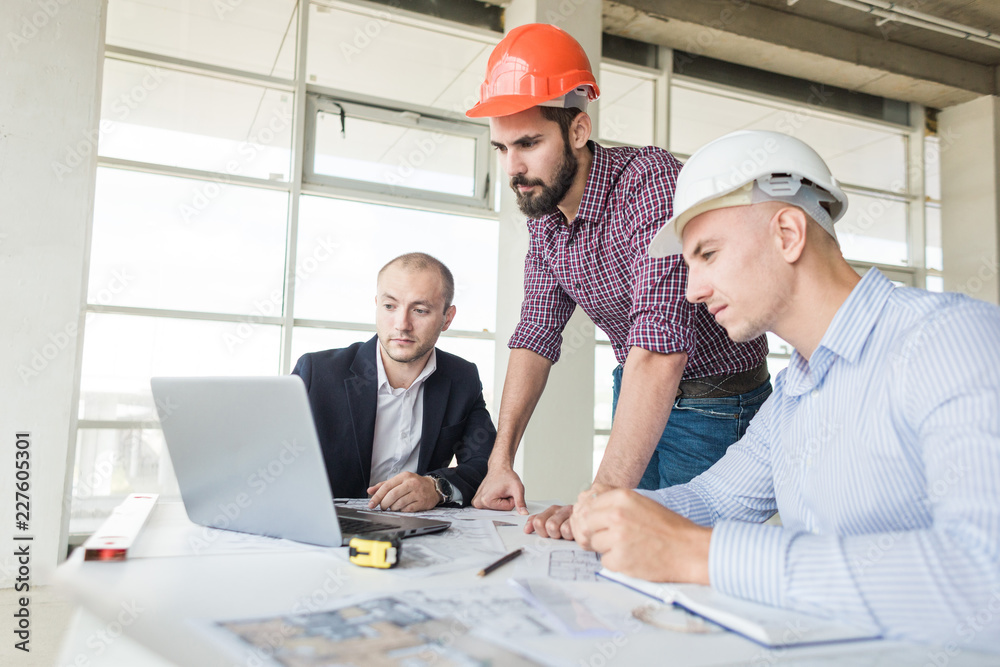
(814,393)
(576,285)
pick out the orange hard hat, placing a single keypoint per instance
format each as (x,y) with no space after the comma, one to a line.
(533,65)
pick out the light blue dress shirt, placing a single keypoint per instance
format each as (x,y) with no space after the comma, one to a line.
(882,454)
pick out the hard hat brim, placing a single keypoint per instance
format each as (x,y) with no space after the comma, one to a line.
(668,240)
(505,105)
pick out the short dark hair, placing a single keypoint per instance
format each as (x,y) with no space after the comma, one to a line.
(421,261)
(563,116)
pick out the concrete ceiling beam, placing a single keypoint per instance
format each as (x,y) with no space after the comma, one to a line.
(775,41)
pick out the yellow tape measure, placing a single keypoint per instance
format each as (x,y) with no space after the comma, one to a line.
(380,552)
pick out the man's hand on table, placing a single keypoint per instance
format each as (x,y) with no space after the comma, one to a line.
(555,521)
(406,492)
(641,538)
(501,489)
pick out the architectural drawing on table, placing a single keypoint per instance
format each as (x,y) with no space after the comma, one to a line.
(379,632)
(574,565)
(466,543)
(573,613)
(498,610)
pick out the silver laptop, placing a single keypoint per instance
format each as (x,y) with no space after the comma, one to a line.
(247,458)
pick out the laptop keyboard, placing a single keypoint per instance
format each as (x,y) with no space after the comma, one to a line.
(360,526)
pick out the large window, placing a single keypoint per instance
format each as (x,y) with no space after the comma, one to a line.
(385,53)
(628,105)
(244,207)
(869,159)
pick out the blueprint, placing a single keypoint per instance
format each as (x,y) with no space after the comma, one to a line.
(372,632)
(574,565)
(472,543)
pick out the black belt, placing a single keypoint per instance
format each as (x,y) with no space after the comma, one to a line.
(724,386)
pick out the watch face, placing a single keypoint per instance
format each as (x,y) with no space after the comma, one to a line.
(445,488)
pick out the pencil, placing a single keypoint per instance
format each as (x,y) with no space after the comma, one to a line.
(503,561)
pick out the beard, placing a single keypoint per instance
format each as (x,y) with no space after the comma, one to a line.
(546,202)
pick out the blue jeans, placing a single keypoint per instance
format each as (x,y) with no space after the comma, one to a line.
(697,434)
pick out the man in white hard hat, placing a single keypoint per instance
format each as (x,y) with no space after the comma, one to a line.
(880,446)
(592,212)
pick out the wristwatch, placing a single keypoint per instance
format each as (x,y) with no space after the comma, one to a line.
(444,489)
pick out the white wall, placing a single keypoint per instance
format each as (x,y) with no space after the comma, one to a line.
(970,187)
(51,53)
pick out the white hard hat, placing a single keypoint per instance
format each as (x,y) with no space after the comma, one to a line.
(750,167)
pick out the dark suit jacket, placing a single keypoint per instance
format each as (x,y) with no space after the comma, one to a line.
(342,386)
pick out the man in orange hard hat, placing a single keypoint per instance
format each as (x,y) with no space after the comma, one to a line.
(592,213)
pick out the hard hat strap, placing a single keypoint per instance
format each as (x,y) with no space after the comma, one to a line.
(796,191)
(578,98)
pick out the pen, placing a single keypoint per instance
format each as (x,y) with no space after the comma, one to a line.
(503,561)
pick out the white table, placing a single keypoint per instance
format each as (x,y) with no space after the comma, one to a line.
(143,611)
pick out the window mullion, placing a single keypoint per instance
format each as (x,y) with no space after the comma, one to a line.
(298,158)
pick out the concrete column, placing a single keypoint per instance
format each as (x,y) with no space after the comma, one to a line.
(917,213)
(970,197)
(555,459)
(52,54)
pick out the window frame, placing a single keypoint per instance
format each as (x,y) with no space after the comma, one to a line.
(410,117)
(660,79)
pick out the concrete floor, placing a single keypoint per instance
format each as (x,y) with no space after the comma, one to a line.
(50,615)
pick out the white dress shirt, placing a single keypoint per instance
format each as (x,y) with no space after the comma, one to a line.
(882,453)
(399,421)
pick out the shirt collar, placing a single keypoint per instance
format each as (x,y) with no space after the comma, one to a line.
(383,379)
(856,317)
(845,337)
(599,181)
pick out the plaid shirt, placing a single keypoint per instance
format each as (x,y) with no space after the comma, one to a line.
(599,262)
